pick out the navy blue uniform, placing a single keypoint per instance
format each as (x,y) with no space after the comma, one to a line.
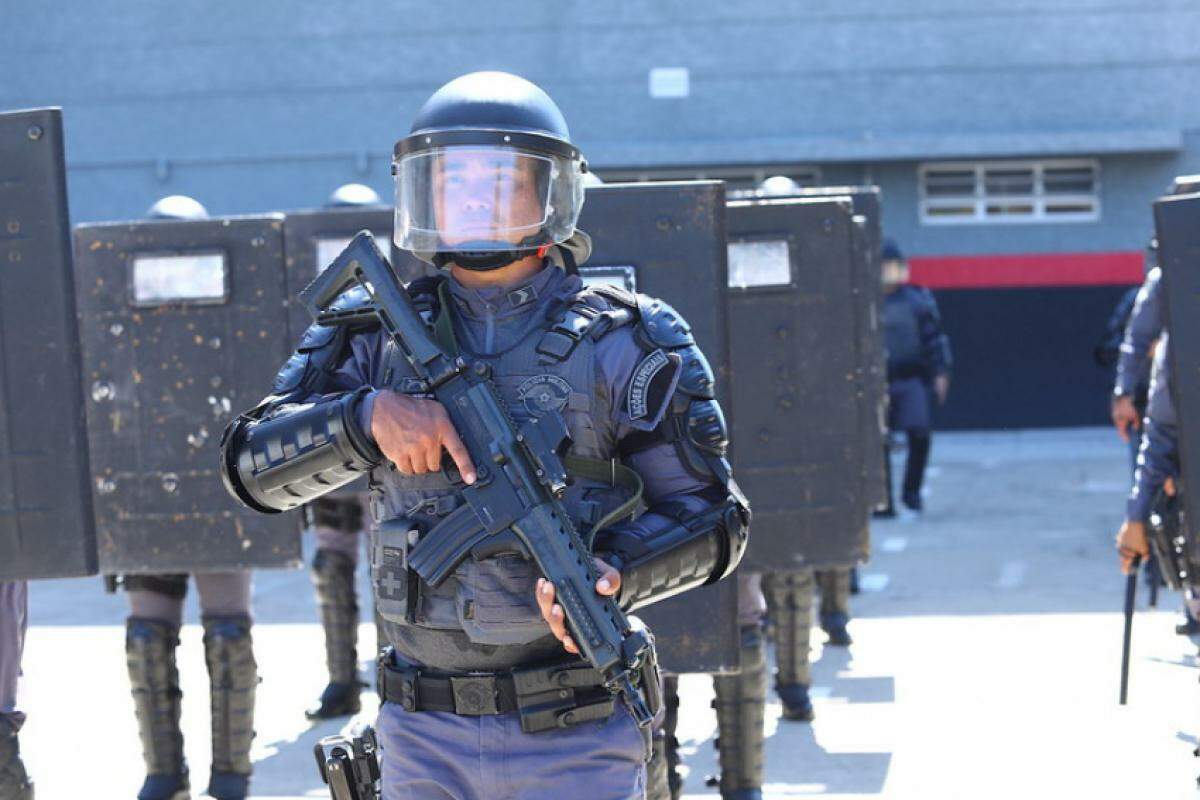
(918,351)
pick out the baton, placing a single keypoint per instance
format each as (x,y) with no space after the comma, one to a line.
(1127,641)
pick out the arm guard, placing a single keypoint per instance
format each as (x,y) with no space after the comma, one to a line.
(282,462)
(305,439)
(689,539)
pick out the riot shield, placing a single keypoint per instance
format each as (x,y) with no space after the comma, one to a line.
(178,321)
(1177,225)
(800,391)
(313,238)
(46,528)
(668,240)
(868,278)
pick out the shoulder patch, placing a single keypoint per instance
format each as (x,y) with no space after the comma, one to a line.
(651,386)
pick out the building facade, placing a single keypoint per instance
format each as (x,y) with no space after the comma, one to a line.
(1018,146)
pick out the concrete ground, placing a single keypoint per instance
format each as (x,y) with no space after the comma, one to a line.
(985,661)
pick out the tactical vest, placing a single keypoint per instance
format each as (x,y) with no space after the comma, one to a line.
(491,599)
(902,333)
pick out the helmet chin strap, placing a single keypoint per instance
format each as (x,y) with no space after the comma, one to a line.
(485,258)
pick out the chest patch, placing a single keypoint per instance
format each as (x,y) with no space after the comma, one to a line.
(652,382)
(543,393)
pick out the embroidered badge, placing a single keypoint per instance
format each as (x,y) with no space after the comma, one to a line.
(543,393)
(639,385)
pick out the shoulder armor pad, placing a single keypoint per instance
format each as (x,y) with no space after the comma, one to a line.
(706,427)
(616,294)
(696,378)
(662,325)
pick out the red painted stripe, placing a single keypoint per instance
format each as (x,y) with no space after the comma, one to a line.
(1030,270)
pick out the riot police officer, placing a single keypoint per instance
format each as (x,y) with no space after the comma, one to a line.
(14,613)
(918,366)
(152,635)
(1140,325)
(336,523)
(488,188)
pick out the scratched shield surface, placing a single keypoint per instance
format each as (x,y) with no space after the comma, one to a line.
(46,528)
(868,287)
(800,394)
(183,324)
(1177,226)
(668,240)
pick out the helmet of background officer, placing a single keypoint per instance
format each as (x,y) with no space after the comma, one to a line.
(895,267)
(778,186)
(177,206)
(353,195)
(592,179)
(488,175)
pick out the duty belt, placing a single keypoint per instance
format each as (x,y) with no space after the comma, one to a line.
(546,697)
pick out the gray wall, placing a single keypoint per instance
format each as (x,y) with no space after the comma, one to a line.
(253,106)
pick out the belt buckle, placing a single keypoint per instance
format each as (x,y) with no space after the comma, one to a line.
(474,696)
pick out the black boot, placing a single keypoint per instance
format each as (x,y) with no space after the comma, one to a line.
(154,678)
(333,579)
(797,705)
(14,781)
(233,675)
(740,703)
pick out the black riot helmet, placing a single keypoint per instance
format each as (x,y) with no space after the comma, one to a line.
(353,195)
(177,206)
(488,174)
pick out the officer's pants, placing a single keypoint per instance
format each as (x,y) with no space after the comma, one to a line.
(221,593)
(14,617)
(442,756)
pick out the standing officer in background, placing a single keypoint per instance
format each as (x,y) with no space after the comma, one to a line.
(1143,329)
(489,188)
(14,616)
(152,634)
(336,522)
(918,366)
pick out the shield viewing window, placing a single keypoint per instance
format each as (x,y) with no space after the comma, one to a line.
(760,264)
(620,276)
(190,278)
(330,247)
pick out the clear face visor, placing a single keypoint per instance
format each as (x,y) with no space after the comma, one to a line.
(481,199)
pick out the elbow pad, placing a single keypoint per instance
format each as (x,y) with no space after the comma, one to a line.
(282,462)
(677,546)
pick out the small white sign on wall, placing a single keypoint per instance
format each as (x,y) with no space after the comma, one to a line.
(667,82)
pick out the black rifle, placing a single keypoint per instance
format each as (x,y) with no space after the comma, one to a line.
(1127,640)
(350,764)
(520,477)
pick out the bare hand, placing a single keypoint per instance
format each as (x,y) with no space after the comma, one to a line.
(1169,486)
(608,585)
(1125,416)
(941,387)
(412,432)
(1131,543)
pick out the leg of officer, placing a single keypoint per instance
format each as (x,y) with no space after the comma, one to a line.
(741,700)
(834,585)
(14,617)
(337,524)
(151,636)
(225,599)
(789,598)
